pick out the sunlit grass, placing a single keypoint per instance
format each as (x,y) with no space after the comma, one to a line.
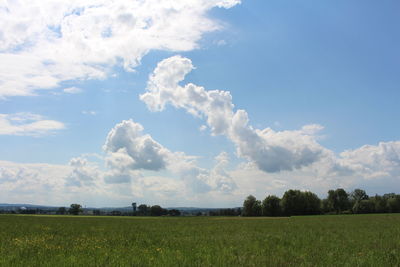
(365,240)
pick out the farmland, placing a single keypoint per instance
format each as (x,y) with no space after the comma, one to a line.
(367,240)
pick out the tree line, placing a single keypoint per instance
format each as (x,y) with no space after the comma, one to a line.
(296,202)
(142,210)
(77,209)
(293,202)
(156,210)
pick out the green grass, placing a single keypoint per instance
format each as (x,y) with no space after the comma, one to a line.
(352,240)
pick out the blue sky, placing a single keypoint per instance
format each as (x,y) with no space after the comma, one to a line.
(286,63)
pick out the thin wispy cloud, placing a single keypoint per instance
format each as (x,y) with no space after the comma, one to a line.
(72,90)
(89,112)
(28,124)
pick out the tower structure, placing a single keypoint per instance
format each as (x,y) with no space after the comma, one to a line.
(134,207)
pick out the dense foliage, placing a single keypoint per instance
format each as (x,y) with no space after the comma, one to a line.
(75,209)
(156,210)
(296,202)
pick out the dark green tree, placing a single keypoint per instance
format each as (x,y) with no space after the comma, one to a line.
(292,202)
(75,209)
(325,206)
(251,207)
(393,203)
(338,200)
(271,206)
(143,210)
(156,210)
(380,203)
(364,206)
(358,195)
(312,203)
(257,210)
(296,202)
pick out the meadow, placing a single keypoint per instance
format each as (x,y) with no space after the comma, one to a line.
(343,240)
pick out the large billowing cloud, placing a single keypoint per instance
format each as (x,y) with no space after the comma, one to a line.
(271,151)
(43,42)
(138,167)
(129,151)
(374,168)
(275,151)
(288,159)
(379,161)
(27,124)
(180,181)
(143,152)
(130,156)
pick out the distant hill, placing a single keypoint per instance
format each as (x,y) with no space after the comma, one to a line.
(187,208)
(7,206)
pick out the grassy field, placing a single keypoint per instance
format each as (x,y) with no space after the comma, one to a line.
(352,240)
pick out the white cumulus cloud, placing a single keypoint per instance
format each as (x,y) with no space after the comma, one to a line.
(143,152)
(277,160)
(130,151)
(44,42)
(271,151)
(371,161)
